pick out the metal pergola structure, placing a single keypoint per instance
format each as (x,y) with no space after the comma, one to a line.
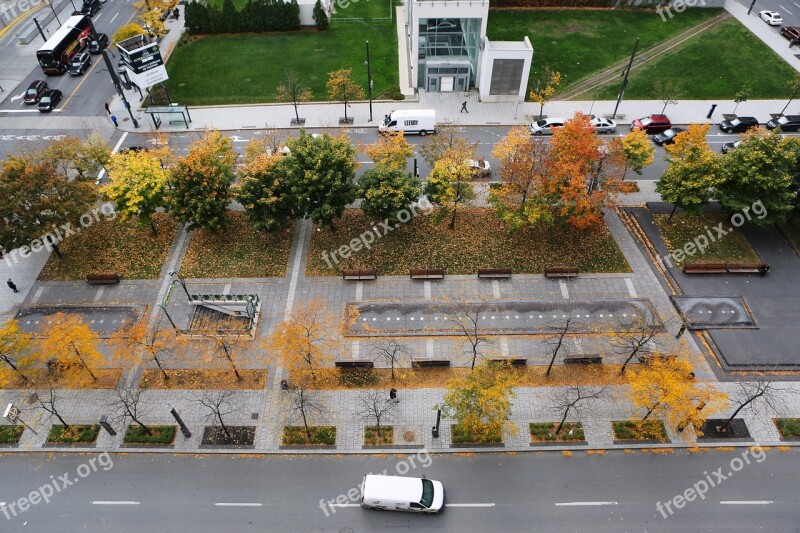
(155,113)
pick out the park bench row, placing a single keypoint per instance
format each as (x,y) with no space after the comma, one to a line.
(366,274)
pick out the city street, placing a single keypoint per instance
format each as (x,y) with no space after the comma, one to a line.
(488,492)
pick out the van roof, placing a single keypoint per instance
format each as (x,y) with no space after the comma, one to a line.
(414,112)
(394,488)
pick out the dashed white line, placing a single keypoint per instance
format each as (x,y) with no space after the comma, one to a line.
(745,502)
(112,18)
(232,504)
(587,504)
(114,502)
(469,505)
(345,504)
(780,6)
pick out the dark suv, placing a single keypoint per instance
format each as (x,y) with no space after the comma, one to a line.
(36,90)
(652,124)
(98,44)
(738,125)
(785,123)
(79,64)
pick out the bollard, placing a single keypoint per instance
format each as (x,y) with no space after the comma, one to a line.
(711,111)
(106,425)
(184,429)
(435,429)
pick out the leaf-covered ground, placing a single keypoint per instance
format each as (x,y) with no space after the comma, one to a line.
(203,379)
(479,239)
(107,378)
(124,248)
(238,251)
(685,228)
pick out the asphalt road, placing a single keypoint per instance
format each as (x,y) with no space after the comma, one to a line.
(789,10)
(495,492)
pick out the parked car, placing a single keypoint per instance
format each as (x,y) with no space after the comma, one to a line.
(652,124)
(129,149)
(785,123)
(603,125)
(791,32)
(773,18)
(395,493)
(738,125)
(667,137)
(546,126)
(480,168)
(36,90)
(49,101)
(98,44)
(80,62)
(730,147)
(90,7)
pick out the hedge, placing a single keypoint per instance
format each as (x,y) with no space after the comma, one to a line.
(256,17)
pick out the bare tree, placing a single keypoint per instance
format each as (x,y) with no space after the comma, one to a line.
(572,399)
(373,405)
(220,404)
(48,400)
(291,90)
(391,352)
(304,403)
(127,402)
(752,394)
(635,340)
(467,319)
(557,342)
(227,347)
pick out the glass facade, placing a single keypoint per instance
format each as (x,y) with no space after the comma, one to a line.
(448,53)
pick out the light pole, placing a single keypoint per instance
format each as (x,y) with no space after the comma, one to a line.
(115,80)
(626,72)
(50,3)
(369,82)
(181,281)
(751,7)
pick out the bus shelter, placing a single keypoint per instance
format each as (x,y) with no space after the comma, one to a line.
(175,114)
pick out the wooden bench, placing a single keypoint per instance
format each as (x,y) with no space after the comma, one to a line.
(360,274)
(748,268)
(561,272)
(102,279)
(705,268)
(354,364)
(513,361)
(426,273)
(430,363)
(583,360)
(494,273)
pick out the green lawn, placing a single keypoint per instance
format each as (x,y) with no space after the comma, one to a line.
(713,65)
(684,228)
(246,68)
(581,42)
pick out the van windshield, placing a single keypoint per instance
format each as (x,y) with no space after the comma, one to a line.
(427,493)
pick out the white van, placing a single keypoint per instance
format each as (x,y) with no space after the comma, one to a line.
(422,121)
(395,493)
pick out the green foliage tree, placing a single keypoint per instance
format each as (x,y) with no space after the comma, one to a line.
(201,182)
(762,170)
(450,184)
(320,175)
(320,17)
(386,190)
(262,191)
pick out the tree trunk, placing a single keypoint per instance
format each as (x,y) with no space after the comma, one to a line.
(10,363)
(305,422)
(146,429)
(57,250)
(391,362)
(235,371)
(453,218)
(153,228)
(378,427)
(674,208)
(563,419)
(558,347)
(222,424)
(345,116)
(78,354)
(728,422)
(163,372)
(625,173)
(296,112)
(630,357)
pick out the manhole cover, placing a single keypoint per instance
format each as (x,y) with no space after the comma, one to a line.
(409,436)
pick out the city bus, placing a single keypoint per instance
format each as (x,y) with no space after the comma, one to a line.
(54,55)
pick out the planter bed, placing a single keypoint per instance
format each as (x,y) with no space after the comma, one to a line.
(788,428)
(639,432)
(10,436)
(371,438)
(241,437)
(542,434)
(163,437)
(83,436)
(460,440)
(737,432)
(294,437)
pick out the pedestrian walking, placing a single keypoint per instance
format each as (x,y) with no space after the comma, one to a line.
(464,107)
(13,287)
(393,396)
(114,120)
(176,12)
(108,108)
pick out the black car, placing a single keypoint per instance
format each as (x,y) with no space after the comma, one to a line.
(667,137)
(785,123)
(98,44)
(49,101)
(730,147)
(79,64)
(90,7)
(738,125)
(36,90)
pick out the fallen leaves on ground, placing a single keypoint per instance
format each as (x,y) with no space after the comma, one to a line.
(152,378)
(685,228)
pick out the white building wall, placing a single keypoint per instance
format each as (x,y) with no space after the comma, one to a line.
(307,11)
(504,50)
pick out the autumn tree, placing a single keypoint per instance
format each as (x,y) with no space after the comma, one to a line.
(450,183)
(320,175)
(556,343)
(138,185)
(793,86)
(390,150)
(664,387)
(126,32)
(546,87)
(73,345)
(151,19)
(637,149)
(93,154)
(201,182)
(449,139)
(17,352)
(291,90)
(343,88)
(467,321)
(372,405)
(762,393)
(742,95)
(227,347)
(480,401)
(524,167)
(392,353)
(387,190)
(48,399)
(129,403)
(39,201)
(219,405)
(261,190)
(693,171)
(668,91)
(136,342)
(636,339)
(306,342)
(761,172)
(303,403)
(575,399)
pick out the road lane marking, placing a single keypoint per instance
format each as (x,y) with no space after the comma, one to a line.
(94,18)
(114,151)
(345,504)
(588,504)
(114,17)
(631,290)
(243,504)
(34,110)
(113,502)
(469,505)
(780,6)
(745,502)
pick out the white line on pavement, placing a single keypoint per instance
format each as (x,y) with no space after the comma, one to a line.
(113,502)
(227,504)
(34,110)
(796,4)
(577,504)
(631,290)
(780,6)
(112,18)
(469,505)
(345,504)
(97,16)
(114,151)
(745,502)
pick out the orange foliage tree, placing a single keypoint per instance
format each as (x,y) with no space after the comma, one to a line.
(74,346)
(17,353)
(135,342)
(391,150)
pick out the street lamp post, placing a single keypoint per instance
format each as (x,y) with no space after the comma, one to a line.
(50,4)
(369,82)
(626,73)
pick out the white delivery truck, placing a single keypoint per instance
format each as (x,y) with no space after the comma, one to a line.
(395,493)
(421,121)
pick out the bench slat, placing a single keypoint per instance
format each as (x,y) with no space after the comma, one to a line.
(429,363)
(426,273)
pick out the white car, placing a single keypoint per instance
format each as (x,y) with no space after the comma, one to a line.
(395,493)
(604,125)
(480,167)
(773,18)
(546,126)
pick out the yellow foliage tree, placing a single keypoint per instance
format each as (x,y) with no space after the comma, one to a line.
(391,150)
(74,346)
(307,342)
(450,182)
(665,387)
(637,151)
(152,19)
(17,353)
(546,88)
(343,88)
(134,343)
(127,31)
